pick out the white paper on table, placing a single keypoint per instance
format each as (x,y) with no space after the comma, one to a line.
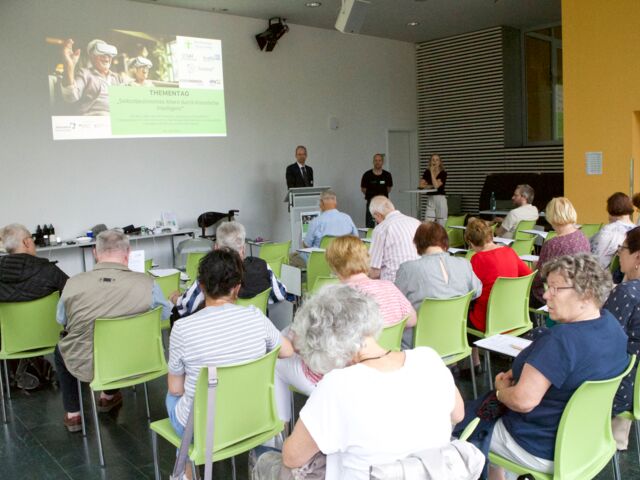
(459,227)
(542,233)
(136,261)
(163,272)
(529,258)
(505,344)
(454,250)
(544,308)
(366,240)
(311,249)
(505,241)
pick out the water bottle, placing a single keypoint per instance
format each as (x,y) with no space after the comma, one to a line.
(492,201)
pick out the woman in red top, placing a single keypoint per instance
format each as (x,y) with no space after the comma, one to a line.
(490,262)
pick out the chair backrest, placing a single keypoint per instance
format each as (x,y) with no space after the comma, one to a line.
(168,284)
(148,263)
(275,251)
(391,335)
(127,347)
(369,233)
(615,263)
(326,241)
(317,266)
(456,236)
(193,262)
(590,229)
(455,220)
(524,225)
(470,253)
(276,265)
(508,307)
(442,325)
(245,404)
(260,301)
(550,235)
(322,281)
(584,443)
(636,396)
(30,325)
(523,247)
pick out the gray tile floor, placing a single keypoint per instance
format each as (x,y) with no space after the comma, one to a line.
(35,444)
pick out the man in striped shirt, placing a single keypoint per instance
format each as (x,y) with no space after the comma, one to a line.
(258,276)
(392,242)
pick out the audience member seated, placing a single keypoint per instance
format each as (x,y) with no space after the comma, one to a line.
(392,241)
(624,304)
(330,222)
(222,333)
(372,406)
(587,344)
(25,277)
(258,276)
(636,203)
(605,243)
(436,274)
(569,239)
(111,290)
(522,198)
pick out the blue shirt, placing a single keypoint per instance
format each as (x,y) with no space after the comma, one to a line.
(567,355)
(330,222)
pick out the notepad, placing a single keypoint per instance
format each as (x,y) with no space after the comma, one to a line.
(506,344)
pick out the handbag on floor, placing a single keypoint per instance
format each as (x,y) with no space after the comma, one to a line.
(183,453)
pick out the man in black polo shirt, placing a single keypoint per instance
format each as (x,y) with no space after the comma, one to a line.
(375,182)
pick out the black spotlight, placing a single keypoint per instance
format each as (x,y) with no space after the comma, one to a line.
(269,38)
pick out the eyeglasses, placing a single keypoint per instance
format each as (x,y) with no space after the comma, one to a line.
(554,290)
(622,247)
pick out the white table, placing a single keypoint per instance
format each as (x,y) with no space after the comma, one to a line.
(501,212)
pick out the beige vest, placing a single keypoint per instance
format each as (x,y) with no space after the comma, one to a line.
(111,290)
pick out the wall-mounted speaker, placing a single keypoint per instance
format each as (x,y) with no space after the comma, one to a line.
(351,16)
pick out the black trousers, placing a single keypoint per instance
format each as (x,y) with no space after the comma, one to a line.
(69,384)
(370,222)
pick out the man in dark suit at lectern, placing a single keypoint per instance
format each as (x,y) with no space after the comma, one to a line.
(298,174)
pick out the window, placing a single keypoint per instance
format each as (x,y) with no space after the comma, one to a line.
(543,85)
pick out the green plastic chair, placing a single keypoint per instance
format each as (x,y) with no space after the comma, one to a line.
(168,284)
(469,429)
(326,241)
(584,443)
(148,264)
(456,235)
(245,415)
(27,329)
(634,414)
(523,247)
(507,311)
(550,235)
(615,264)
(275,251)
(193,262)
(260,301)
(470,253)
(276,265)
(323,281)
(391,336)
(524,225)
(369,233)
(317,266)
(442,325)
(590,229)
(127,351)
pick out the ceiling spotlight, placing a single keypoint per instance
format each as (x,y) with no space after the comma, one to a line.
(413,24)
(313,4)
(277,28)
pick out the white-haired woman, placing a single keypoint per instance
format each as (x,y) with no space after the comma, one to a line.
(373,405)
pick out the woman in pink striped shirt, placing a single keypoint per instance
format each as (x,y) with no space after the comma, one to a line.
(348,257)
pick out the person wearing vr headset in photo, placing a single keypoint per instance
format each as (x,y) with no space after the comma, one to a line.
(139,72)
(88,87)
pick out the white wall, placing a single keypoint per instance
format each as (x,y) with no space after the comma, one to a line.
(274,101)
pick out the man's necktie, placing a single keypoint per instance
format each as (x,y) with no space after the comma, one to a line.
(304,176)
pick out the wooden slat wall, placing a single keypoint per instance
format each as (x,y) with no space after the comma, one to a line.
(461,114)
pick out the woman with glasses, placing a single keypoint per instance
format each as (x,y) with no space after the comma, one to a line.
(569,239)
(624,305)
(586,344)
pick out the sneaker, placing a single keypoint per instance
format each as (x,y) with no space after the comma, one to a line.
(27,381)
(105,405)
(73,424)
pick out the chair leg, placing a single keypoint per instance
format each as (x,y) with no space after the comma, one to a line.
(146,401)
(233,468)
(6,378)
(473,378)
(292,421)
(616,466)
(154,447)
(4,408)
(487,359)
(195,470)
(84,425)
(97,426)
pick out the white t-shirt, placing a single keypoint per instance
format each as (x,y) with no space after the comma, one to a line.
(360,416)
(525,212)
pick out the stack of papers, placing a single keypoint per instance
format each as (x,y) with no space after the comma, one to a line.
(505,241)
(454,250)
(504,344)
(311,249)
(530,258)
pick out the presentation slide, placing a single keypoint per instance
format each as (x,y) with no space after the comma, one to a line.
(127,84)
